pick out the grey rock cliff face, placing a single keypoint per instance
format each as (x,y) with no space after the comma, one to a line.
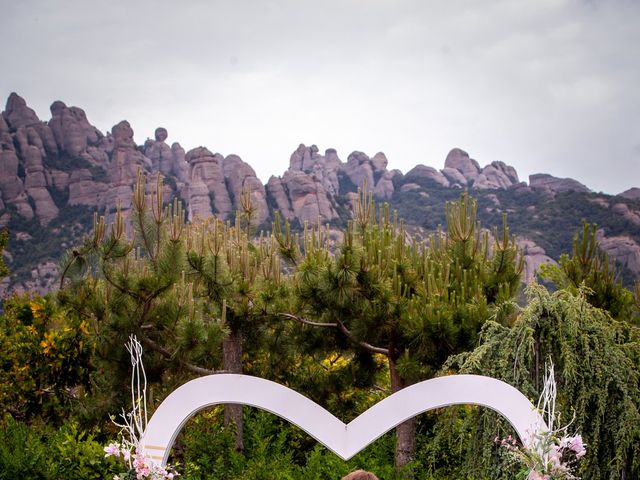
(543,181)
(459,160)
(240,177)
(207,188)
(622,248)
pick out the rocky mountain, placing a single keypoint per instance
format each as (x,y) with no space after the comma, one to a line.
(54,174)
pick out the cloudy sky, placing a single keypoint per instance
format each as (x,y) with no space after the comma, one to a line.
(544,85)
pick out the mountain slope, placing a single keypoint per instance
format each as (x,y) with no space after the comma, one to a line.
(55,174)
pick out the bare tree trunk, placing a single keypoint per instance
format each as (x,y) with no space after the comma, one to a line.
(406,431)
(232,359)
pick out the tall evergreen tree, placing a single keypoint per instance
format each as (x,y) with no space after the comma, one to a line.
(414,302)
(131,277)
(588,266)
(234,276)
(194,293)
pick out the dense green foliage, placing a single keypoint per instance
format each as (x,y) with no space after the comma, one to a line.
(43,453)
(4,239)
(344,317)
(590,268)
(597,363)
(45,359)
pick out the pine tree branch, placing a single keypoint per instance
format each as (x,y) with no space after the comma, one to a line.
(367,346)
(304,321)
(167,354)
(340,326)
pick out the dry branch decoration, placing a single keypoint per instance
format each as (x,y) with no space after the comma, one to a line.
(132,426)
(548,454)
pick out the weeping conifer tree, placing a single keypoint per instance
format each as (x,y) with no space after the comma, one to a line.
(597,360)
(414,302)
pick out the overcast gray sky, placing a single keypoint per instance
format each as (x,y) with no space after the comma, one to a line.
(544,85)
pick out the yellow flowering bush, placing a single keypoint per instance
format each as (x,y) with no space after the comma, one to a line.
(44,358)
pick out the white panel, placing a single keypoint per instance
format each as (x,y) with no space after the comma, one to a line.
(344,440)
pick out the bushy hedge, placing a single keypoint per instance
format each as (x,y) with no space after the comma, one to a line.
(42,453)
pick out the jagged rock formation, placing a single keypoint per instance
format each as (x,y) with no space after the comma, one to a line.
(48,168)
(427,173)
(240,178)
(207,189)
(495,176)
(549,183)
(534,256)
(624,249)
(308,190)
(461,168)
(305,190)
(461,171)
(631,194)
(74,134)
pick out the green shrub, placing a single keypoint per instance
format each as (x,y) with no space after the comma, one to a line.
(23,452)
(39,453)
(75,454)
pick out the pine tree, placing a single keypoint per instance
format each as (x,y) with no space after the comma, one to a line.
(234,278)
(131,278)
(588,266)
(415,303)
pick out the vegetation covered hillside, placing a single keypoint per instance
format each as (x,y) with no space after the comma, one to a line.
(56,173)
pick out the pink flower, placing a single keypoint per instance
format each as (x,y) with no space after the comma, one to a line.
(113,449)
(576,445)
(538,476)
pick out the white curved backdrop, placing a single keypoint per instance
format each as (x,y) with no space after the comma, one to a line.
(345,440)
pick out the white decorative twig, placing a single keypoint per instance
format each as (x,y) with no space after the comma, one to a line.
(135,422)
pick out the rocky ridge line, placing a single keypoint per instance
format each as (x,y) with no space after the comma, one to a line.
(66,161)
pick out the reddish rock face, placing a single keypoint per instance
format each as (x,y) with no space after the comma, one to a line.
(18,114)
(534,256)
(459,160)
(161,134)
(430,173)
(207,189)
(622,248)
(308,198)
(631,194)
(239,176)
(543,181)
(40,161)
(72,131)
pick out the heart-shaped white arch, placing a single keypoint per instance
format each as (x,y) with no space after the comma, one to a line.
(345,440)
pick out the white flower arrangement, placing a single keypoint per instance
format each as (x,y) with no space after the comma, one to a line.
(549,453)
(133,424)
